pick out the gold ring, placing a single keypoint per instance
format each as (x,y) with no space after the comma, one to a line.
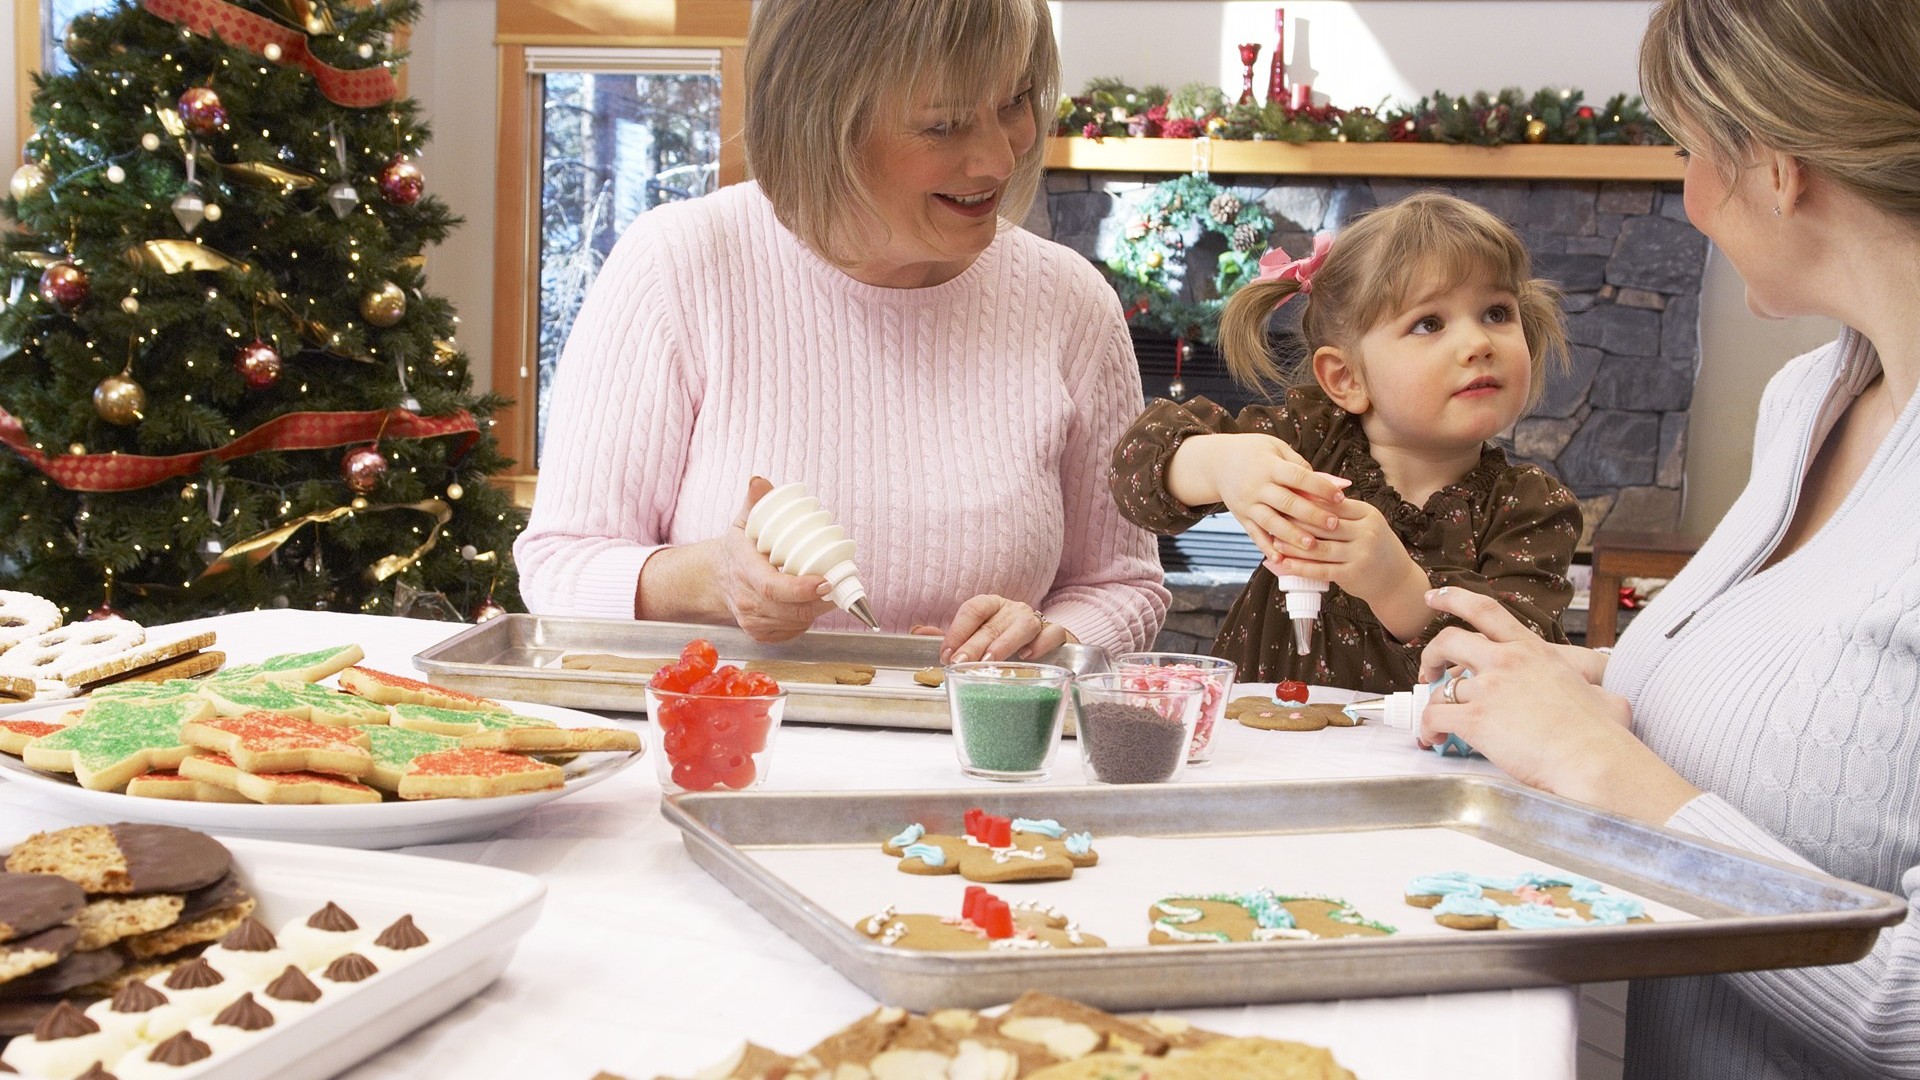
(1448,692)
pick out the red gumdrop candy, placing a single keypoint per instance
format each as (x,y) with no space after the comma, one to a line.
(999,832)
(996,918)
(693,776)
(760,684)
(1291,690)
(737,771)
(700,655)
(972,819)
(970,906)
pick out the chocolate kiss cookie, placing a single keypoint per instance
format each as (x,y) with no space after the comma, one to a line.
(30,903)
(125,858)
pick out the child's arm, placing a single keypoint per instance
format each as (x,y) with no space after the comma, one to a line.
(1525,551)
(1179,463)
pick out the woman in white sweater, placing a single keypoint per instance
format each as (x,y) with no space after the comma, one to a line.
(1769,698)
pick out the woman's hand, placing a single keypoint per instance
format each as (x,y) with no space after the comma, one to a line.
(767,604)
(1535,714)
(990,627)
(1270,490)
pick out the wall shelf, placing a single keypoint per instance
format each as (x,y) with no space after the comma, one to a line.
(1428,160)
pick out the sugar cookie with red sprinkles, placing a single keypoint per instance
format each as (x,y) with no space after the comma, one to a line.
(476,774)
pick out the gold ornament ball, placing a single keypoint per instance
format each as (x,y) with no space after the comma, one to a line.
(384,306)
(454,491)
(1536,130)
(29,181)
(1154,259)
(119,400)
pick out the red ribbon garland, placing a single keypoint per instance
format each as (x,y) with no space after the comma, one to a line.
(358,89)
(294,431)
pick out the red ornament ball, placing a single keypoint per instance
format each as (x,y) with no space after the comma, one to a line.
(401,181)
(104,611)
(65,286)
(488,611)
(201,110)
(258,364)
(1584,112)
(363,468)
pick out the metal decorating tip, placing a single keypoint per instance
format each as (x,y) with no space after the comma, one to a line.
(861,611)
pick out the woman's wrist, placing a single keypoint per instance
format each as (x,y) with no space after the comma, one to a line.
(677,584)
(1631,780)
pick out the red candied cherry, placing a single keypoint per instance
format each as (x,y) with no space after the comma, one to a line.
(754,727)
(674,677)
(700,655)
(737,771)
(673,713)
(684,744)
(760,684)
(1291,690)
(694,776)
(709,685)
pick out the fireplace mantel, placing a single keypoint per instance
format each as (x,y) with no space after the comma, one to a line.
(1430,160)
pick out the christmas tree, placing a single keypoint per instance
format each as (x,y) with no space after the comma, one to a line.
(224,383)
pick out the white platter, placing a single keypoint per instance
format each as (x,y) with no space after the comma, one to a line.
(361,825)
(473,917)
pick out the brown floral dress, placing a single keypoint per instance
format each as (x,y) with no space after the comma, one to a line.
(1507,530)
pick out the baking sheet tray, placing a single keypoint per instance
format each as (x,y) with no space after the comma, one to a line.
(518,656)
(1716,909)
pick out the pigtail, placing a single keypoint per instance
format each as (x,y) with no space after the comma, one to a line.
(1545,323)
(1243,331)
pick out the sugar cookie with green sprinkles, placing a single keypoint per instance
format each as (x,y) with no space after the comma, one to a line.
(395,748)
(300,667)
(303,700)
(115,741)
(1259,915)
(458,721)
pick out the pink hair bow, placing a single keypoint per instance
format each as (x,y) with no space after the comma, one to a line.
(1275,266)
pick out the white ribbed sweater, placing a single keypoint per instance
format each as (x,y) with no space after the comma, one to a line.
(1792,696)
(960,433)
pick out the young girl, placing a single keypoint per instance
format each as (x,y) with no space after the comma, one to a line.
(1428,337)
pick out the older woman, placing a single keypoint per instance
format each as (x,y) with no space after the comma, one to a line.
(864,319)
(1769,698)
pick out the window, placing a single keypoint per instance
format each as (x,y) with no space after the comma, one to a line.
(621,132)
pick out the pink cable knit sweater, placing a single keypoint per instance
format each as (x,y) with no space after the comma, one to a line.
(959,433)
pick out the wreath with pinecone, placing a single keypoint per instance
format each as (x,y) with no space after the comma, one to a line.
(1149,265)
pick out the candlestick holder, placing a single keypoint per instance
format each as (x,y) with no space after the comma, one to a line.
(1249,53)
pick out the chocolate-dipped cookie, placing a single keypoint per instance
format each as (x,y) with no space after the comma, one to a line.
(125,858)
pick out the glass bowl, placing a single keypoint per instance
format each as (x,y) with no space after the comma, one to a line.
(1006,717)
(1130,734)
(1152,669)
(712,742)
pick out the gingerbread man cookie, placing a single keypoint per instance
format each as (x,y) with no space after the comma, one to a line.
(1521,902)
(1261,915)
(1270,715)
(985,922)
(995,850)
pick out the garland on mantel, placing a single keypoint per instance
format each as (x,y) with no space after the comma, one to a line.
(1110,107)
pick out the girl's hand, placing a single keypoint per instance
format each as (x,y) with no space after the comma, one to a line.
(1535,714)
(1270,490)
(767,604)
(1360,552)
(990,627)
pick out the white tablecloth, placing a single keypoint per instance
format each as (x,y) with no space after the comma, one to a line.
(642,964)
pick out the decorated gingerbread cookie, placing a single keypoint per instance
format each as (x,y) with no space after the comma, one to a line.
(1270,715)
(115,741)
(390,689)
(1261,915)
(291,787)
(263,742)
(985,922)
(994,850)
(1521,902)
(300,667)
(476,774)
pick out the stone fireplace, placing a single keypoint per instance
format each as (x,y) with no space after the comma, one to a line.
(1612,425)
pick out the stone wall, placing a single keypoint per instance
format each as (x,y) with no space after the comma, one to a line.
(1612,425)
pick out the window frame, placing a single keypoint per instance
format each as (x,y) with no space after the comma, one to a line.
(522,25)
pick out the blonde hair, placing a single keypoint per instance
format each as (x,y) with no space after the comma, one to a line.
(1834,83)
(822,75)
(1371,271)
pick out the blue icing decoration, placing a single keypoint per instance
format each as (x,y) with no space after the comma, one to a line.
(908,835)
(1353,716)
(1539,917)
(1045,827)
(931,854)
(1080,843)
(1461,894)
(1454,745)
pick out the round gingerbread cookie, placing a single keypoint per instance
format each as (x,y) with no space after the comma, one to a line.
(124,858)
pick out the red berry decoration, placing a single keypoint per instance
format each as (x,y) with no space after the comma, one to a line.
(201,111)
(1292,691)
(1584,112)
(363,468)
(401,181)
(65,286)
(258,364)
